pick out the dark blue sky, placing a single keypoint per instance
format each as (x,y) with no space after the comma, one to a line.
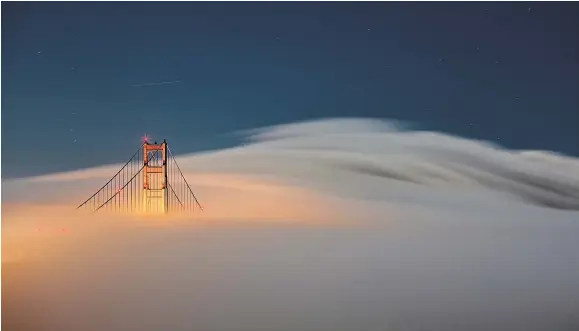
(493,71)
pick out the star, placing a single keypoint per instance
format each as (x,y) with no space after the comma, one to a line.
(497,62)
(39,52)
(530,9)
(369,30)
(74,141)
(72,68)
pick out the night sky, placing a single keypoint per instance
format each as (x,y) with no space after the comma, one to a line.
(75,75)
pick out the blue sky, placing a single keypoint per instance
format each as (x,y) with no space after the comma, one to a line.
(505,72)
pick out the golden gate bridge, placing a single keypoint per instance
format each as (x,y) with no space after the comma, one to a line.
(150,182)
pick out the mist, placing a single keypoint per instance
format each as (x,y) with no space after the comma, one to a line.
(337,224)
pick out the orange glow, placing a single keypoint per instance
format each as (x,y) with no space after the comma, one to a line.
(226,198)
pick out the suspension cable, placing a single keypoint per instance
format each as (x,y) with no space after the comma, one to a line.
(118,191)
(175,194)
(178,168)
(97,192)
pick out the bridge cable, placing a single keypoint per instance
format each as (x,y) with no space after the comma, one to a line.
(191,191)
(138,172)
(97,192)
(175,194)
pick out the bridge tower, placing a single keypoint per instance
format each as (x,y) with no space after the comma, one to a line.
(155,194)
(151,182)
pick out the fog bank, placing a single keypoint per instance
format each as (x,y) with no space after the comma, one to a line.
(346,224)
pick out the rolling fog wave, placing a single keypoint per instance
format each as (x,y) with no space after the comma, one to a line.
(363,159)
(332,154)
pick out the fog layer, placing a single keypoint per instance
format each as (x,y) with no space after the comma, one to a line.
(347,224)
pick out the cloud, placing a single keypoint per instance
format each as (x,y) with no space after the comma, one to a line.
(349,224)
